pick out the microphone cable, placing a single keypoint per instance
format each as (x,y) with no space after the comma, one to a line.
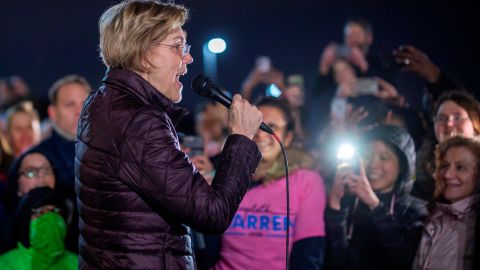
(287,188)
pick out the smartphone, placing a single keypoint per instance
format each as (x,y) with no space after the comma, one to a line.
(388,60)
(342,51)
(273,91)
(349,165)
(263,64)
(195,143)
(366,86)
(338,108)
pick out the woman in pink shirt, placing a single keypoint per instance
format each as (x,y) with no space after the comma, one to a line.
(448,240)
(256,237)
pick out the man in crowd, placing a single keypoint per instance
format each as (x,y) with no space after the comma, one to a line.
(67,96)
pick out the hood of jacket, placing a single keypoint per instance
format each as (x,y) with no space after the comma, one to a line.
(404,147)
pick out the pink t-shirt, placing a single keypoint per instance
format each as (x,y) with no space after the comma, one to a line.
(256,237)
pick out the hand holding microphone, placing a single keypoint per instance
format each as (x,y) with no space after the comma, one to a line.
(243,118)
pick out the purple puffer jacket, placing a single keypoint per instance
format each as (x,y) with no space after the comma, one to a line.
(138,194)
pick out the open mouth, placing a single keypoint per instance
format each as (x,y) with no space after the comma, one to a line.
(177,77)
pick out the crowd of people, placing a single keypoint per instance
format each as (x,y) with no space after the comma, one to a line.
(405,196)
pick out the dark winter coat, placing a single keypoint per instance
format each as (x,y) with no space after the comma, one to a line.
(138,194)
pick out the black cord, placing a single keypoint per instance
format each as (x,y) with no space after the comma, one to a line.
(285,159)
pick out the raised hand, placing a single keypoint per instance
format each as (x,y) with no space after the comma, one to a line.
(360,187)
(417,62)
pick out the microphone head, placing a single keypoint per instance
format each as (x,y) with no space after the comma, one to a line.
(202,85)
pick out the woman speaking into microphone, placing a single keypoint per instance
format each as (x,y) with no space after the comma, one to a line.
(138,193)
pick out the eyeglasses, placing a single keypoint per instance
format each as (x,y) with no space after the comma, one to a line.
(35,173)
(182,49)
(444,119)
(36,212)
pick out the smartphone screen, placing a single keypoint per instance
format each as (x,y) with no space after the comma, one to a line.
(338,107)
(366,86)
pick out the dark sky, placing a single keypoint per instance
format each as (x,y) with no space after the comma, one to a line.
(43,40)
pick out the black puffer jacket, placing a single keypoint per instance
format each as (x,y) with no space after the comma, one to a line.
(380,240)
(137,192)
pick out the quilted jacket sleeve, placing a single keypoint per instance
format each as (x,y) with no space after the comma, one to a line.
(153,166)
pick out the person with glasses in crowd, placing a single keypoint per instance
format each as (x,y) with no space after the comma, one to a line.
(138,193)
(455,113)
(31,170)
(39,232)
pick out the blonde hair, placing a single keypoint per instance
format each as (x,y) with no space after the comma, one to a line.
(128,29)
(471,144)
(21,107)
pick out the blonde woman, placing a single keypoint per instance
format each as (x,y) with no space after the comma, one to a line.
(450,238)
(138,193)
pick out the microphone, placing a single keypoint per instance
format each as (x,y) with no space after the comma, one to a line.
(204,87)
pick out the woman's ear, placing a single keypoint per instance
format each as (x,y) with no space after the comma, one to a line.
(287,140)
(145,64)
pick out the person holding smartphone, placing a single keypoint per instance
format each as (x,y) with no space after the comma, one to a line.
(371,221)
(263,73)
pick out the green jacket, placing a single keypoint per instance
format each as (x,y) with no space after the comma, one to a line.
(22,258)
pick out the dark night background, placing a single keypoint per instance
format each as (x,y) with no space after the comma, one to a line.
(43,40)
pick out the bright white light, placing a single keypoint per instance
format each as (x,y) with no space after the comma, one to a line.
(345,151)
(273,91)
(217,45)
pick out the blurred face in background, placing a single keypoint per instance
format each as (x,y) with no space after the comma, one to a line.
(24,132)
(269,147)
(382,167)
(451,119)
(356,36)
(458,173)
(66,112)
(295,95)
(35,171)
(212,122)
